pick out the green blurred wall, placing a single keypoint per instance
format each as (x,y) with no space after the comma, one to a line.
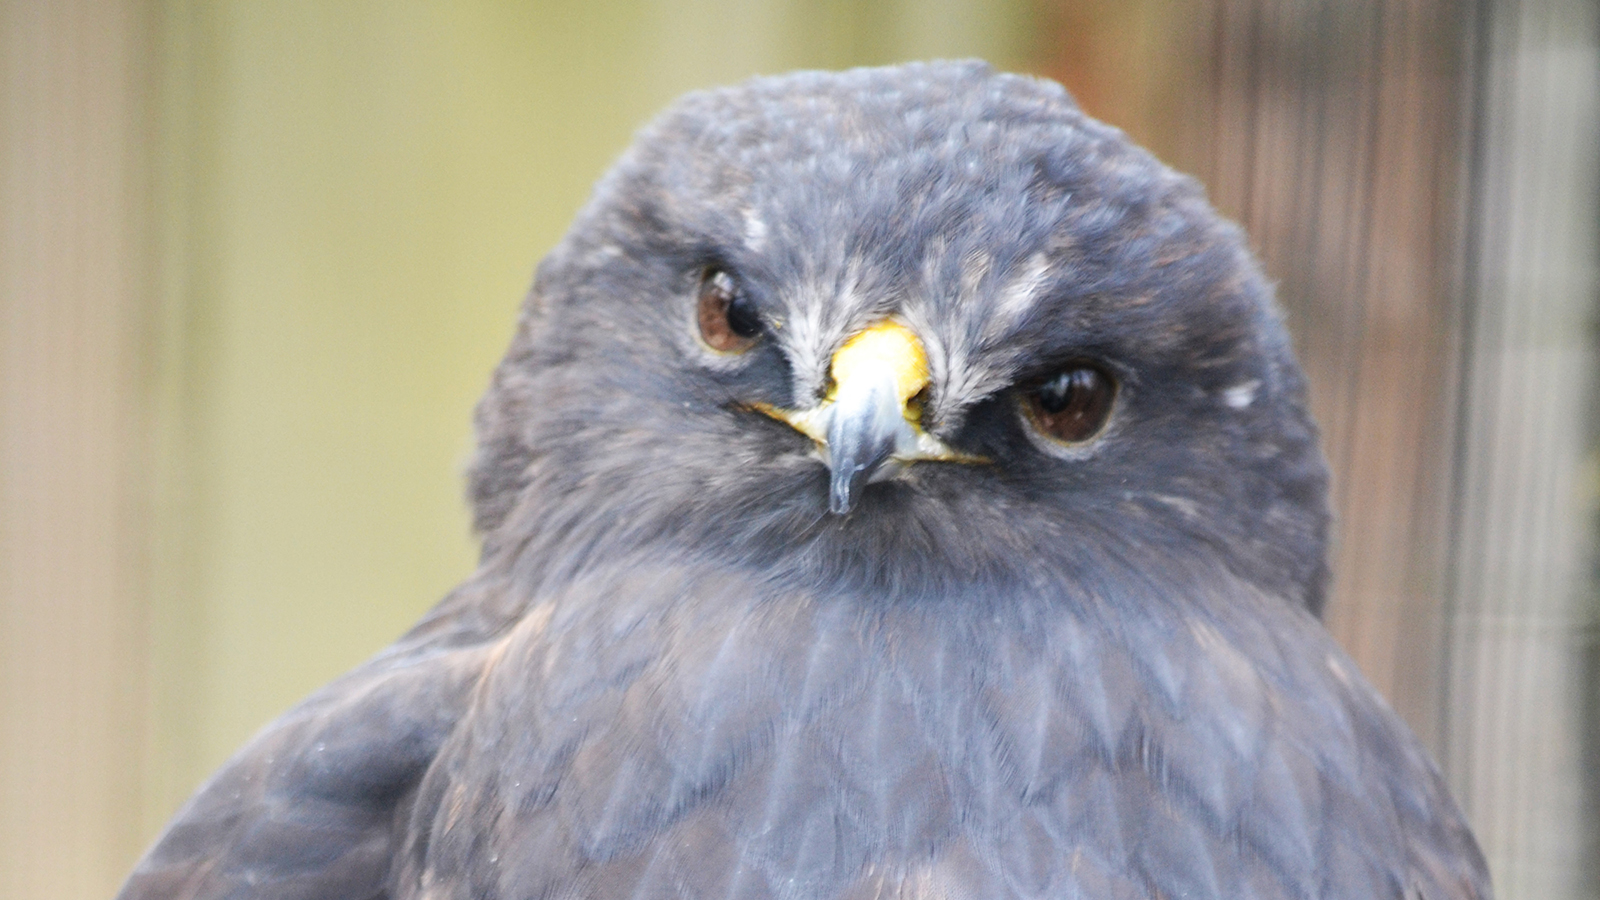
(353,197)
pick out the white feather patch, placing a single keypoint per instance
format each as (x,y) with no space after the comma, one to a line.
(1241,395)
(755,232)
(1014,301)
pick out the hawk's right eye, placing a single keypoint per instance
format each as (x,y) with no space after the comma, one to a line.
(728,320)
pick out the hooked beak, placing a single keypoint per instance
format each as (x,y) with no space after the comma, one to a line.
(872,416)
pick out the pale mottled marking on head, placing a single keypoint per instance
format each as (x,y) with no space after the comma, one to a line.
(1241,395)
(867,293)
(1012,302)
(755,231)
(822,316)
(932,272)
(967,354)
(960,371)
(806,343)
(944,356)
(975,266)
(603,254)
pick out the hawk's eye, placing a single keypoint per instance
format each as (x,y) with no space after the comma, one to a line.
(1072,405)
(728,320)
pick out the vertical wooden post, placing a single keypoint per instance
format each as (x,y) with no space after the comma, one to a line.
(1336,139)
(1519,739)
(74,306)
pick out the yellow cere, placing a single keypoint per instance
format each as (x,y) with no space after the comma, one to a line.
(887,344)
(886,348)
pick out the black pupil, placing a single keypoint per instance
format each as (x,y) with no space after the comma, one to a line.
(742,318)
(1073,389)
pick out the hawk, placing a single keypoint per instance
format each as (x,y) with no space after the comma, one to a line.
(898,485)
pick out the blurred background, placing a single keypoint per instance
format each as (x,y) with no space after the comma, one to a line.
(257,260)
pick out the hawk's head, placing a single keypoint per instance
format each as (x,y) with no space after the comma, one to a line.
(903,328)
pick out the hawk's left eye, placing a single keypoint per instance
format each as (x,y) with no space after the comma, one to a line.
(729,322)
(1072,405)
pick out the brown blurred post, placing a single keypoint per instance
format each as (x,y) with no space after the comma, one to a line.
(1336,137)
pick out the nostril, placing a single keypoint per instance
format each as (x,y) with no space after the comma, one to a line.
(917,408)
